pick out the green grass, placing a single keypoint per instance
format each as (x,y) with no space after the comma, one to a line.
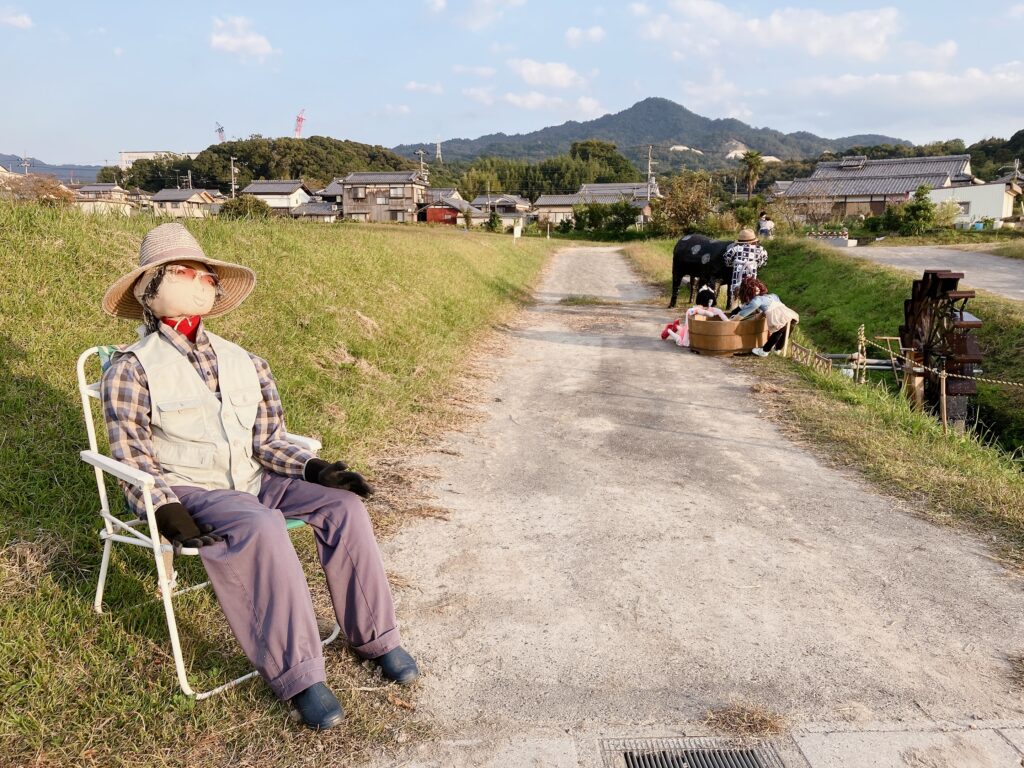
(1013,250)
(366,328)
(945,237)
(962,477)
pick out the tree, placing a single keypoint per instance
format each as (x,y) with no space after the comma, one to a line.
(688,201)
(493,222)
(753,164)
(919,213)
(245,207)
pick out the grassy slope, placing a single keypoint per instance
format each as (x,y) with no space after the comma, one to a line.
(365,328)
(904,451)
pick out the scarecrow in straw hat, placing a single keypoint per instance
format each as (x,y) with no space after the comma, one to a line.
(745,256)
(204,418)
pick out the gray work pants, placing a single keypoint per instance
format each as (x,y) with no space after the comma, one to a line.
(261,587)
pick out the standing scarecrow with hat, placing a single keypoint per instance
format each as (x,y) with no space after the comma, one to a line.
(203,416)
(745,256)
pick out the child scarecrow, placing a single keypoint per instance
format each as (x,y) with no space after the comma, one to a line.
(204,418)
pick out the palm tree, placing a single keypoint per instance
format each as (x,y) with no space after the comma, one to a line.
(754,164)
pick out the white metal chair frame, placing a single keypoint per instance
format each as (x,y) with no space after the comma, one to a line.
(143,533)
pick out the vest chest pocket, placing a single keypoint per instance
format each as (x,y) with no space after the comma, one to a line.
(245,406)
(182,419)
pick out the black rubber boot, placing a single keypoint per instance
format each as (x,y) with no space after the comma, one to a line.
(318,708)
(398,665)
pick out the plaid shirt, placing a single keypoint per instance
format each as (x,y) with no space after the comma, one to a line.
(127,410)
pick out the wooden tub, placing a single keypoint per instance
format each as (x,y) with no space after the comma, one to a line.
(727,337)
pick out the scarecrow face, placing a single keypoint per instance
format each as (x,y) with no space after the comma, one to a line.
(188,288)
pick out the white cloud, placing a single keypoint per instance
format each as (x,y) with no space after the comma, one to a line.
(396,109)
(589,107)
(12,18)
(462,69)
(436,6)
(575,36)
(482,95)
(717,96)
(937,56)
(920,105)
(552,74)
(485,13)
(639,9)
(855,34)
(533,100)
(434,88)
(236,35)
(1017,11)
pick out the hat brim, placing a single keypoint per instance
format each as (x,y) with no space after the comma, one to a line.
(236,283)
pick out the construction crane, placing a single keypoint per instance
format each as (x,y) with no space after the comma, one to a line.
(220,132)
(299,120)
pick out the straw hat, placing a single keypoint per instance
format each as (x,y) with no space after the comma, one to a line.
(170,243)
(746,236)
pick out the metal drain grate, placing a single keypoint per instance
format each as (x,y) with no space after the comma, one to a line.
(687,753)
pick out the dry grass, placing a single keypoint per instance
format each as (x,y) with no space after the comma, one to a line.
(744,720)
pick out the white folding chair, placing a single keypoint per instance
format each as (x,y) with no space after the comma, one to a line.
(143,533)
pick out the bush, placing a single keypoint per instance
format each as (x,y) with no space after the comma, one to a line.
(493,222)
(245,207)
(564,226)
(32,188)
(919,213)
(946,213)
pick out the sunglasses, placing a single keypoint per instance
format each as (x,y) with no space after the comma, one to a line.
(180,272)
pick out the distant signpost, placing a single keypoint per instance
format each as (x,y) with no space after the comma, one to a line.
(517,229)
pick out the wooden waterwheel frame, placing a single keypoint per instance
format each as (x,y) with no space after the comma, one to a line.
(936,335)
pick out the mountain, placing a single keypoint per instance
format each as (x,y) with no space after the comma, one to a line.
(85,173)
(659,122)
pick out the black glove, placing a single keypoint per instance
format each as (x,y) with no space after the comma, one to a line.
(177,526)
(336,476)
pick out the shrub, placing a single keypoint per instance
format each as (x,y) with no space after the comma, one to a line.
(493,222)
(946,213)
(245,207)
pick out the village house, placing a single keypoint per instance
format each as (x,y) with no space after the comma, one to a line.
(433,194)
(855,185)
(451,210)
(554,209)
(282,195)
(317,211)
(509,208)
(378,195)
(183,203)
(977,202)
(104,198)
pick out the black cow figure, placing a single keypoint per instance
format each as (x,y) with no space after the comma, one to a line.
(702,259)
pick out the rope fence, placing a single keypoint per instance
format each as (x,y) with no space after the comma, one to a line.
(859,361)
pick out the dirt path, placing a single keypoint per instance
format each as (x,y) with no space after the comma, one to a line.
(995,274)
(632,544)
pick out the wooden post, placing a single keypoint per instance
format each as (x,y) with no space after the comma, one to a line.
(862,355)
(942,400)
(785,339)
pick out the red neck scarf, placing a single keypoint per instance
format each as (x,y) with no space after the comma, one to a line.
(187,326)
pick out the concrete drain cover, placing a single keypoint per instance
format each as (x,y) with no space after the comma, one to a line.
(687,753)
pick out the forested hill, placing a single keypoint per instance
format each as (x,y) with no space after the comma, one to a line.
(315,160)
(656,121)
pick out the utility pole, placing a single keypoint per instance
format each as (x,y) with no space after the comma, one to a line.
(650,170)
(423,167)
(190,178)
(233,177)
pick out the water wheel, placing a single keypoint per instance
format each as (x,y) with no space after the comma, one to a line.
(936,335)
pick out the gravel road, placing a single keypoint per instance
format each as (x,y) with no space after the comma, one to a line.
(632,543)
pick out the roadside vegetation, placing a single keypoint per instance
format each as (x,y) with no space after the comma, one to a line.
(366,328)
(973,477)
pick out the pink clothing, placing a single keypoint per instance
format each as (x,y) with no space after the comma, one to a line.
(684,331)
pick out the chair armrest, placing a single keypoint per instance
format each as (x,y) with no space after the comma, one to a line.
(118,469)
(309,443)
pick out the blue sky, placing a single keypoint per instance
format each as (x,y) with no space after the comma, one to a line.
(85,80)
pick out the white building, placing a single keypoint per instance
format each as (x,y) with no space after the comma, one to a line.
(183,203)
(994,201)
(125,159)
(282,195)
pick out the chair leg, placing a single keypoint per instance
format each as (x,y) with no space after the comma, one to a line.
(102,582)
(172,623)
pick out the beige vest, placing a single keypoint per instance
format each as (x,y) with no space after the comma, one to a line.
(200,439)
